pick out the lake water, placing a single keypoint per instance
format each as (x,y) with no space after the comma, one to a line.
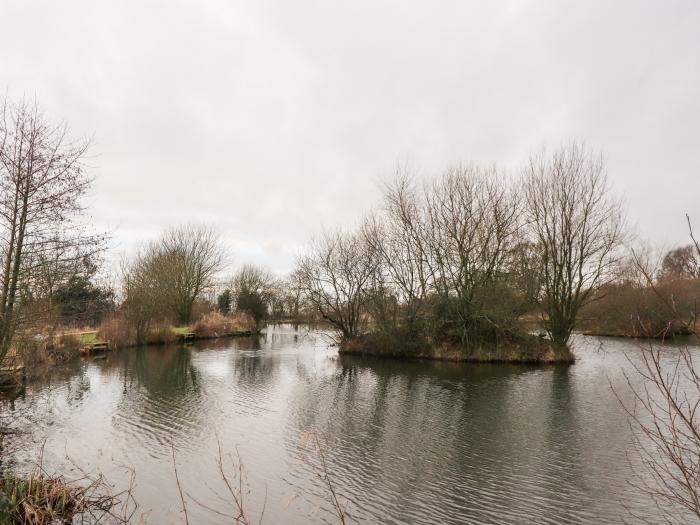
(404,442)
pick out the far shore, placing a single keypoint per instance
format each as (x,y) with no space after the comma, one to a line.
(622,335)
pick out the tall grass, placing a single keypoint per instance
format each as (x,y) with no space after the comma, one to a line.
(41,499)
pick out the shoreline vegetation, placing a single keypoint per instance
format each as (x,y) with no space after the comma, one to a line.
(462,266)
(459,266)
(640,336)
(529,350)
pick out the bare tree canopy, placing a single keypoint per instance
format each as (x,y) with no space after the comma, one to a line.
(682,262)
(174,272)
(473,222)
(578,227)
(42,180)
(144,292)
(431,264)
(253,289)
(336,273)
(190,257)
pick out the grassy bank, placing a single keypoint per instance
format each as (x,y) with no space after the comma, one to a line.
(524,350)
(32,352)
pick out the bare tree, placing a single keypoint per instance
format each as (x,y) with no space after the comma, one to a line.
(168,276)
(189,257)
(144,296)
(292,295)
(682,262)
(42,180)
(253,290)
(396,235)
(443,255)
(473,222)
(335,274)
(578,227)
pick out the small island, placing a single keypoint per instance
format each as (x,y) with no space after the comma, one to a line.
(472,267)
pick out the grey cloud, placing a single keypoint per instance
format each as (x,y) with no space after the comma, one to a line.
(272,119)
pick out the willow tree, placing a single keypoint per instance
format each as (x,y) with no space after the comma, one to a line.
(578,227)
(42,180)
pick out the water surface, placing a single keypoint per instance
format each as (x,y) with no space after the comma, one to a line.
(404,442)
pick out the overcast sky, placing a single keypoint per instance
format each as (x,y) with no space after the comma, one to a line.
(274,119)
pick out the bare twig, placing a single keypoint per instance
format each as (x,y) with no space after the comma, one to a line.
(324,475)
(179,487)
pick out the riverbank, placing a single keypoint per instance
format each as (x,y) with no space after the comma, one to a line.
(665,336)
(36,361)
(524,350)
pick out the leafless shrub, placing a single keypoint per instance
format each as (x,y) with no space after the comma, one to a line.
(666,428)
(666,423)
(335,273)
(179,486)
(231,473)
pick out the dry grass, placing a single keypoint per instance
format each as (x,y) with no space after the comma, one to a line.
(64,348)
(41,499)
(120,335)
(36,350)
(241,321)
(212,324)
(161,334)
(117,331)
(215,324)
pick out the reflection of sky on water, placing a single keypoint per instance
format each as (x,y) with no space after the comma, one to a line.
(414,441)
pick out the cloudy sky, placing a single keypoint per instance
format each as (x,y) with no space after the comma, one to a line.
(274,119)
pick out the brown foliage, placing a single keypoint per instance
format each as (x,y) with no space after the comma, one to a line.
(117,331)
(42,499)
(64,348)
(160,334)
(120,334)
(625,309)
(215,324)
